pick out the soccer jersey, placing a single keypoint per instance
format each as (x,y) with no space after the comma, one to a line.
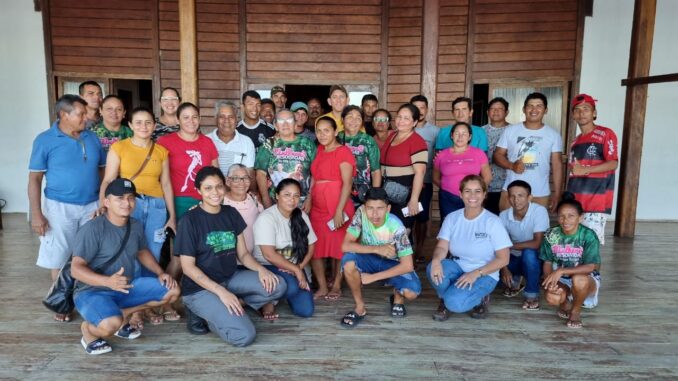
(595,191)
(257,134)
(392,232)
(562,250)
(366,153)
(108,137)
(282,159)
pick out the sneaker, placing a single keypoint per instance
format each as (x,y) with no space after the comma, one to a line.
(195,324)
(480,311)
(96,347)
(127,332)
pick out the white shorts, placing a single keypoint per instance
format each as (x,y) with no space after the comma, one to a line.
(592,300)
(64,221)
(596,222)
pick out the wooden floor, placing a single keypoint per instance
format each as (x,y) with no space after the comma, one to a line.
(632,334)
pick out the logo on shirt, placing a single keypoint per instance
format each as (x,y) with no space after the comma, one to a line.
(221,241)
(481,235)
(196,160)
(528,150)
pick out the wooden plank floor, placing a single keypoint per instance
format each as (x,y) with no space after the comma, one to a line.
(631,335)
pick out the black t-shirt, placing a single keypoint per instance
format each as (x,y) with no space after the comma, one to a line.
(258,134)
(212,240)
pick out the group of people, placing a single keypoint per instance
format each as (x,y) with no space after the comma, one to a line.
(274,195)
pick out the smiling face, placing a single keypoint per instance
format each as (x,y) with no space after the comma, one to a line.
(288,198)
(267,113)
(376,211)
(112,111)
(284,124)
(226,121)
(473,194)
(352,122)
(169,101)
(212,190)
(142,124)
(251,109)
(380,122)
(337,100)
(534,111)
(569,219)
(324,132)
(404,121)
(238,182)
(301,118)
(497,113)
(189,120)
(120,206)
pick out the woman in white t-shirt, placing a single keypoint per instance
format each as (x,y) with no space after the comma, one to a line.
(472,247)
(284,243)
(238,181)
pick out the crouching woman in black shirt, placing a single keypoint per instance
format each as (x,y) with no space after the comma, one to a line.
(209,239)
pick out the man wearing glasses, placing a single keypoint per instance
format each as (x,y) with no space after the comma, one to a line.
(233,147)
(69,158)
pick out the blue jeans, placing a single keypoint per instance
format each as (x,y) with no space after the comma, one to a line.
(448,203)
(529,266)
(300,300)
(460,299)
(152,213)
(374,263)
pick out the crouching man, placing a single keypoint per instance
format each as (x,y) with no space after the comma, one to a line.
(376,247)
(105,250)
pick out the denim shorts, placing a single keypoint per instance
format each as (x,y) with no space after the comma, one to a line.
(97,305)
(591,301)
(374,263)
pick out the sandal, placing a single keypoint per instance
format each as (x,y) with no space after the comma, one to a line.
(136,321)
(480,311)
(531,304)
(397,310)
(62,318)
(352,319)
(269,315)
(563,314)
(97,347)
(153,317)
(442,313)
(171,315)
(511,292)
(576,324)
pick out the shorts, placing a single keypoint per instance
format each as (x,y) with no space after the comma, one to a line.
(64,221)
(596,222)
(374,263)
(97,305)
(592,300)
(425,198)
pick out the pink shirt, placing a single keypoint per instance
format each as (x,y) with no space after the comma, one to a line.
(454,167)
(249,210)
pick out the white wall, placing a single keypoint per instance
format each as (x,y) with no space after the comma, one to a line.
(23,91)
(605,60)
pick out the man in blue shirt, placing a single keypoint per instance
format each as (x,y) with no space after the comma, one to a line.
(462,109)
(69,158)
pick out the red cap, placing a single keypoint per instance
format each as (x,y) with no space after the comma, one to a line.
(583,98)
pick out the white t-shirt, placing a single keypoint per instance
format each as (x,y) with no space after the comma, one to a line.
(536,220)
(535,148)
(240,150)
(272,229)
(474,241)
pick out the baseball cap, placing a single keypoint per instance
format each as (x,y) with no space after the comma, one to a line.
(121,187)
(583,98)
(277,89)
(296,106)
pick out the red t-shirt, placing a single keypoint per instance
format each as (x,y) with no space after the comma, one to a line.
(185,160)
(596,190)
(325,166)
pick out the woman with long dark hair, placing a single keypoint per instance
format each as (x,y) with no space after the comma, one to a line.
(284,244)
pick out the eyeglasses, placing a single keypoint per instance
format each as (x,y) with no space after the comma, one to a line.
(285,120)
(380,119)
(169,98)
(238,180)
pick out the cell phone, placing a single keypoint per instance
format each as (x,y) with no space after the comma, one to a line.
(330,223)
(169,233)
(406,210)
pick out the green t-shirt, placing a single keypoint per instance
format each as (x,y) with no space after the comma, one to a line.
(281,160)
(108,137)
(366,153)
(392,232)
(562,250)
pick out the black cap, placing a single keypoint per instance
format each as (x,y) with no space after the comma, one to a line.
(121,187)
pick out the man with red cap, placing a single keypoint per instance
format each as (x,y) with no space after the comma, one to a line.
(592,164)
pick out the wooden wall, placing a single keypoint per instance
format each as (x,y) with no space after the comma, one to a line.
(405,26)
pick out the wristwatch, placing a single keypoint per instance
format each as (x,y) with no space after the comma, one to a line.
(481,272)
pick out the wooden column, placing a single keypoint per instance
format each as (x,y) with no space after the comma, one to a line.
(383,77)
(188,46)
(634,117)
(429,56)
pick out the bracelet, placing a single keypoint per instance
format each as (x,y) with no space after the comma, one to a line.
(481,272)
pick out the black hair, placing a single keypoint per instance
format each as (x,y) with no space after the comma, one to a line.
(298,225)
(535,95)
(81,88)
(186,105)
(111,96)
(521,184)
(568,199)
(141,109)
(377,194)
(268,101)
(413,109)
(419,98)
(251,94)
(350,108)
(383,111)
(67,103)
(369,97)
(206,172)
(172,89)
(468,127)
(499,100)
(326,118)
(468,101)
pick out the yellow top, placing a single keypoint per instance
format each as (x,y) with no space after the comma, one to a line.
(131,159)
(340,122)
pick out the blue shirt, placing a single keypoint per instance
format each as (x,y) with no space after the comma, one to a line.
(478,140)
(71,165)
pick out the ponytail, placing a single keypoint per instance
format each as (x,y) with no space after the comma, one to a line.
(299,235)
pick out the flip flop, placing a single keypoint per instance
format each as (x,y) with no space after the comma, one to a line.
(352,319)
(397,309)
(575,324)
(62,318)
(563,314)
(332,296)
(171,315)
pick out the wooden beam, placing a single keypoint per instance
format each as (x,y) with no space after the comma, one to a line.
(634,117)
(188,46)
(429,56)
(470,47)
(156,86)
(582,13)
(242,28)
(650,79)
(383,78)
(51,79)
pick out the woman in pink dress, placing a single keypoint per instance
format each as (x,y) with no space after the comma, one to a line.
(332,172)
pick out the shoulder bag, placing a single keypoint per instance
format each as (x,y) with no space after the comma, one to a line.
(397,193)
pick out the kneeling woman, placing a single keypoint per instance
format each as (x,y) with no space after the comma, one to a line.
(284,243)
(208,240)
(571,256)
(472,247)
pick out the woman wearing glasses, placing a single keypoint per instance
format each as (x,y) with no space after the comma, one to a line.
(279,157)
(168,122)
(238,183)
(381,121)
